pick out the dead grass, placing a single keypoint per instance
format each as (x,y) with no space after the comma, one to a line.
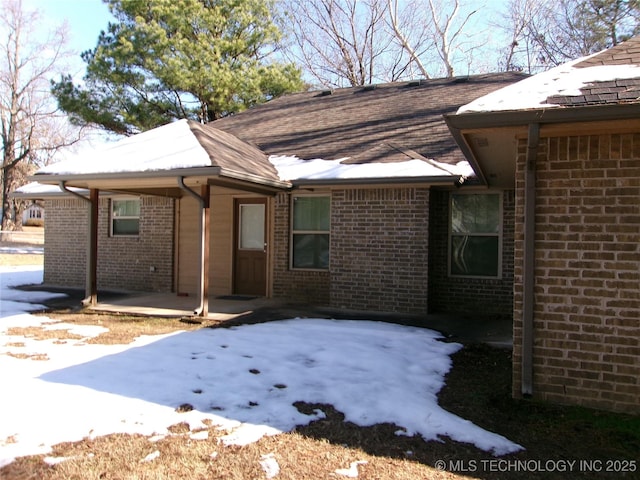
(298,457)
(41,333)
(16,259)
(124,329)
(29,356)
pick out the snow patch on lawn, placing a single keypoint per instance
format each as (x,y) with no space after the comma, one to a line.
(244,379)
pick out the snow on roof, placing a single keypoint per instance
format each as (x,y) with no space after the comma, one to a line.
(294,168)
(167,147)
(533,92)
(35,188)
(175,146)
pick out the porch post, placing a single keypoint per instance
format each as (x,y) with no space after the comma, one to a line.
(91,288)
(205,191)
(528,268)
(203,227)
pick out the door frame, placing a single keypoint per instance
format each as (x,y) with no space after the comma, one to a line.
(237,202)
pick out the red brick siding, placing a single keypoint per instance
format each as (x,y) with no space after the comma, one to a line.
(468,295)
(587,255)
(124,263)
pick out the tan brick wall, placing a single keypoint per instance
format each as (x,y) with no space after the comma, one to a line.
(587,257)
(124,263)
(65,233)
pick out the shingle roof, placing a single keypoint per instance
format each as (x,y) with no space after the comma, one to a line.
(362,122)
(231,153)
(602,93)
(614,91)
(625,53)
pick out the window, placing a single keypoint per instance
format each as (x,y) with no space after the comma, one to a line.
(251,227)
(310,232)
(34,212)
(125,217)
(474,248)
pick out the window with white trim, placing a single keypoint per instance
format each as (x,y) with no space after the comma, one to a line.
(125,217)
(475,235)
(310,232)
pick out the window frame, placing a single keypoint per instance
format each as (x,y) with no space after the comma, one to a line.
(113,218)
(498,234)
(293,232)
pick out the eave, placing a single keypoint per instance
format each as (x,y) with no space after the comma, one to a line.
(488,139)
(163,182)
(387,181)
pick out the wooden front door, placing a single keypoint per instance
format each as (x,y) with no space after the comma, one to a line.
(250,250)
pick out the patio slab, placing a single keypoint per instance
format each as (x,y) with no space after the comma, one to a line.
(171,305)
(235,310)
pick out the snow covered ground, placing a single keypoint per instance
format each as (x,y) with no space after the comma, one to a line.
(244,379)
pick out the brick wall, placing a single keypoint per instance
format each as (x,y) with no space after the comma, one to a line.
(65,244)
(468,295)
(379,245)
(587,257)
(379,249)
(124,263)
(310,287)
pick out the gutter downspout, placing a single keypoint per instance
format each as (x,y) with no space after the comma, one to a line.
(528,275)
(203,304)
(91,283)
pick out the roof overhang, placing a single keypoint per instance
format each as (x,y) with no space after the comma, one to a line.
(164,182)
(489,139)
(449,180)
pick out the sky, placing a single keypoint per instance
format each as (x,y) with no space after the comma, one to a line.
(86,18)
(244,380)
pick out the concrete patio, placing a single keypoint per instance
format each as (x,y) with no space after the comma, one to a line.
(172,305)
(464,328)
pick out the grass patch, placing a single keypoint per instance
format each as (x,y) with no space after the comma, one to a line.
(42,333)
(17,259)
(29,356)
(123,329)
(298,457)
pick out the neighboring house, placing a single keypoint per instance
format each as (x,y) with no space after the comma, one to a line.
(338,198)
(33,215)
(568,142)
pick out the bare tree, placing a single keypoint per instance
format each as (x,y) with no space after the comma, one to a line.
(546,33)
(401,24)
(340,42)
(30,125)
(436,34)
(448,29)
